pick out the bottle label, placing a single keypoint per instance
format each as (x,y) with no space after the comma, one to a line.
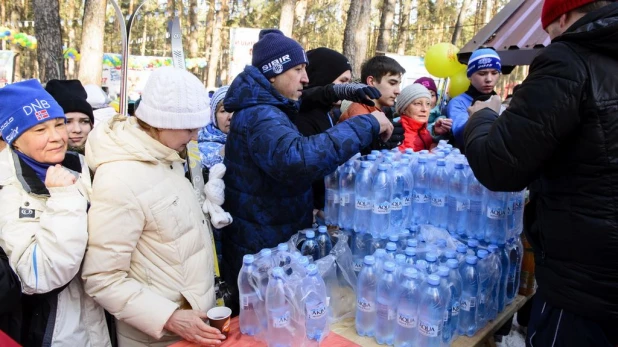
(455,309)
(366,305)
(385,313)
(420,198)
(363,204)
(344,199)
(382,208)
(461,205)
(316,311)
(496,213)
(249,299)
(438,200)
(396,204)
(358,265)
(468,303)
(282,321)
(407,200)
(428,329)
(406,320)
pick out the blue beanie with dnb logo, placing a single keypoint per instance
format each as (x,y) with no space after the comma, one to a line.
(274,53)
(24,105)
(484,58)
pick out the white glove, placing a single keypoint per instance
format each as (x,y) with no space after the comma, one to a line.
(215,196)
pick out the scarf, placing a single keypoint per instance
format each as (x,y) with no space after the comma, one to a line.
(416,134)
(39,168)
(474,93)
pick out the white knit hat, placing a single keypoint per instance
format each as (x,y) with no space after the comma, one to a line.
(96,96)
(409,94)
(174,99)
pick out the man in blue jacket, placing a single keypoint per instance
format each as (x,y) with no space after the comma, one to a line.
(270,165)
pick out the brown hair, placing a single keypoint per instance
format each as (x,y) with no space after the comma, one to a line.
(152,131)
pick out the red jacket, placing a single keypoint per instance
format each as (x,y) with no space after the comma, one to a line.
(416,135)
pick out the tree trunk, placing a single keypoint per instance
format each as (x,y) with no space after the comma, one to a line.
(404,25)
(208,39)
(300,13)
(142,49)
(215,51)
(488,9)
(49,37)
(460,21)
(93,29)
(225,37)
(356,32)
(286,20)
(71,25)
(386,26)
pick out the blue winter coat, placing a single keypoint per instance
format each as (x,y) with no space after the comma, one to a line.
(270,166)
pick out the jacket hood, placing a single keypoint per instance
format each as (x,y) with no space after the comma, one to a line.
(250,88)
(597,31)
(121,139)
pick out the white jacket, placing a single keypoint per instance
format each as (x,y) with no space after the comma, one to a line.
(149,249)
(44,234)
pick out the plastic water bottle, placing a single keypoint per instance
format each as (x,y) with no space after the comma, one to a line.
(462,252)
(381,257)
(406,332)
(475,208)
(347,201)
(484,270)
(283,257)
(432,262)
(408,192)
(324,243)
(364,198)
(469,294)
(443,272)
(387,307)
(495,204)
(381,214)
(455,285)
(360,248)
(473,246)
(310,246)
(421,191)
(503,252)
(264,263)
(366,292)
(496,275)
(400,198)
(421,265)
(449,254)
(515,251)
(279,311)
(404,235)
(457,201)
(316,304)
(439,191)
(331,205)
(410,255)
(400,261)
(394,238)
(516,222)
(249,300)
(431,313)
(391,250)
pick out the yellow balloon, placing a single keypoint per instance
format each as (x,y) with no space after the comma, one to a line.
(441,60)
(116,105)
(458,83)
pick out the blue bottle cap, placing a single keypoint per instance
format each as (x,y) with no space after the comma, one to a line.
(266,252)
(492,248)
(248,259)
(391,246)
(410,273)
(422,159)
(366,164)
(295,256)
(304,260)
(404,233)
(379,253)
(443,271)
(390,266)
(471,259)
(441,242)
(409,151)
(322,229)
(278,272)
(441,154)
(458,166)
(482,253)
(400,258)
(434,280)
(413,243)
(369,260)
(452,263)
(441,162)
(424,151)
(283,247)
(421,264)
(310,234)
(375,152)
(449,254)
(372,157)
(473,243)
(312,269)
(383,167)
(462,249)
(349,163)
(431,257)
(410,251)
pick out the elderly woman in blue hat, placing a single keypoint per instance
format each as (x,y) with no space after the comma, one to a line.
(211,138)
(43,221)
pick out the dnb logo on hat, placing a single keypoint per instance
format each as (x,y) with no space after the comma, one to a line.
(39,108)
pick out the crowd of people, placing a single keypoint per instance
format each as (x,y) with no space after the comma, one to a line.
(104,242)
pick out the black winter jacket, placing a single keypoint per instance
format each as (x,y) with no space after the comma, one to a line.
(559,136)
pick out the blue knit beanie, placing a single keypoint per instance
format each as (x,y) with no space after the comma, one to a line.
(217,97)
(484,58)
(24,105)
(275,53)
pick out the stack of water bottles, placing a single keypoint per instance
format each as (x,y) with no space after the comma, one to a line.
(283,298)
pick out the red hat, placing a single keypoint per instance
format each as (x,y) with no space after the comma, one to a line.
(553,9)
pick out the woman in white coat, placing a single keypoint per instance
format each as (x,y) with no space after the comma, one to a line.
(150,258)
(43,221)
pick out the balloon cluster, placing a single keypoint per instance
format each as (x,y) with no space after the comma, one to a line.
(112,60)
(195,62)
(441,61)
(71,53)
(14,37)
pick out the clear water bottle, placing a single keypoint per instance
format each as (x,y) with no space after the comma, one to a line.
(431,313)
(316,304)
(364,198)
(279,311)
(408,192)
(391,250)
(503,252)
(394,238)
(457,202)
(249,300)
(404,235)
(476,192)
(421,192)
(400,198)
(449,254)
(439,191)
(361,245)
(515,251)
(443,272)
(406,332)
(283,258)
(410,255)
(469,294)
(347,201)
(422,267)
(473,246)
(432,262)
(331,205)
(264,264)
(496,275)
(400,261)
(484,298)
(381,257)
(366,297)
(495,204)
(324,242)
(387,307)
(441,248)
(382,191)
(516,222)
(455,285)
(462,252)
(310,246)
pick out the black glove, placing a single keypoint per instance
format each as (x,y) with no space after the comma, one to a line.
(397,137)
(356,92)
